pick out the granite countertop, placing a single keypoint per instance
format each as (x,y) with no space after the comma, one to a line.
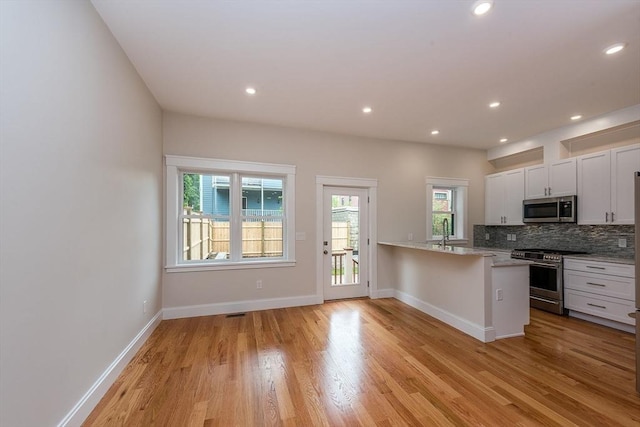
(448,249)
(590,257)
(501,257)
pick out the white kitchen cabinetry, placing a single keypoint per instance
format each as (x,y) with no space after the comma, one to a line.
(504,193)
(625,162)
(605,186)
(556,179)
(601,289)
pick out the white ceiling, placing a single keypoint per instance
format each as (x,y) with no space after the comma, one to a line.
(420,65)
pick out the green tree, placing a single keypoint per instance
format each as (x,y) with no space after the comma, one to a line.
(191,191)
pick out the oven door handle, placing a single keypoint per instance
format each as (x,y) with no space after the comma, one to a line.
(544,300)
(544,265)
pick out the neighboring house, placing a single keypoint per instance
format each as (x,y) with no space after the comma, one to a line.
(259,195)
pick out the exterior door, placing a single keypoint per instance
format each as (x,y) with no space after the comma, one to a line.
(345,242)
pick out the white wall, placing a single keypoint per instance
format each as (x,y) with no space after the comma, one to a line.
(80,176)
(399,167)
(551,140)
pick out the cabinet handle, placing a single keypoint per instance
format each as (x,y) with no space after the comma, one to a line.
(596,305)
(596,268)
(597,284)
(606,217)
(545,191)
(549,190)
(611,216)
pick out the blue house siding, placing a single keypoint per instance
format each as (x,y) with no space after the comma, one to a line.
(214,196)
(220,201)
(206,194)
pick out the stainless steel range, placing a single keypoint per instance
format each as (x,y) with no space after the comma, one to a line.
(546,290)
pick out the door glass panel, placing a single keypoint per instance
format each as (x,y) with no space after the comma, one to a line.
(345,240)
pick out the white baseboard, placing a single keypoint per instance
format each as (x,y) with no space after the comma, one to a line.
(518,334)
(383,293)
(476,331)
(604,322)
(239,307)
(91,398)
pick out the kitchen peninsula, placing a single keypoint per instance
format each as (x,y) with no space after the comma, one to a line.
(482,293)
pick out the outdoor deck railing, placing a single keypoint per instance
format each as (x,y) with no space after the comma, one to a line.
(341,274)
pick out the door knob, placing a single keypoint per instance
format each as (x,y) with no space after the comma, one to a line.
(326,251)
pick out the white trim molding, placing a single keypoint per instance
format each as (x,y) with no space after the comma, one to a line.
(461,186)
(372,192)
(239,306)
(383,293)
(92,397)
(478,332)
(175,166)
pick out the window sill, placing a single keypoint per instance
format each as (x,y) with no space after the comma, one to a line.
(244,265)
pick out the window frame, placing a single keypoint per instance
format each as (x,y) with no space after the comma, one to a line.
(175,166)
(460,207)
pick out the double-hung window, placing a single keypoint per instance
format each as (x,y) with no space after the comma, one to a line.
(228,214)
(446,199)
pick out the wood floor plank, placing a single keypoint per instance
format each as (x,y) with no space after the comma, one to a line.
(372,363)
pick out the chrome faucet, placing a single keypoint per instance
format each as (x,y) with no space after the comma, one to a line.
(445,235)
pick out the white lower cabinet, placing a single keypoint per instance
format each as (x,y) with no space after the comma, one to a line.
(602,289)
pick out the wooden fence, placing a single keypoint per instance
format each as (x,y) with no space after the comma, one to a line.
(208,239)
(340,235)
(205,238)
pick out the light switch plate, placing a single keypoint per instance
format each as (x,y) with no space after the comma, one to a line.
(622,243)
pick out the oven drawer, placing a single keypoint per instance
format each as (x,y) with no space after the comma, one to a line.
(614,269)
(601,306)
(601,284)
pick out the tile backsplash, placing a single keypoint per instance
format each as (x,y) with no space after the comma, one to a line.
(594,239)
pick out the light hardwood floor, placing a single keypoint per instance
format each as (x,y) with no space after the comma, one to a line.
(372,362)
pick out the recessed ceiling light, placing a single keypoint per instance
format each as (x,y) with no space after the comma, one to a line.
(503,140)
(494,104)
(481,7)
(367,110)
(250,90)
(576,117)
(435,132)
(615,48)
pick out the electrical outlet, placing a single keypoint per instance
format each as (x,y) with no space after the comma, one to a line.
(486,236)
(410,237)
(508,237)
(499,296)
(144,307)
(513,237)
(622,243)
(258,284)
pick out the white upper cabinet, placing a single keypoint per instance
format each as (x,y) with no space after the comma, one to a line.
(536,180)
(624,162)
(605,186)
(504,193)
(557,179)
(594,184)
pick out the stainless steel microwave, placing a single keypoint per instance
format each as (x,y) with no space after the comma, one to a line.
(550,209)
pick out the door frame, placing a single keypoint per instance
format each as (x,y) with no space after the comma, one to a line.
(371,186)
